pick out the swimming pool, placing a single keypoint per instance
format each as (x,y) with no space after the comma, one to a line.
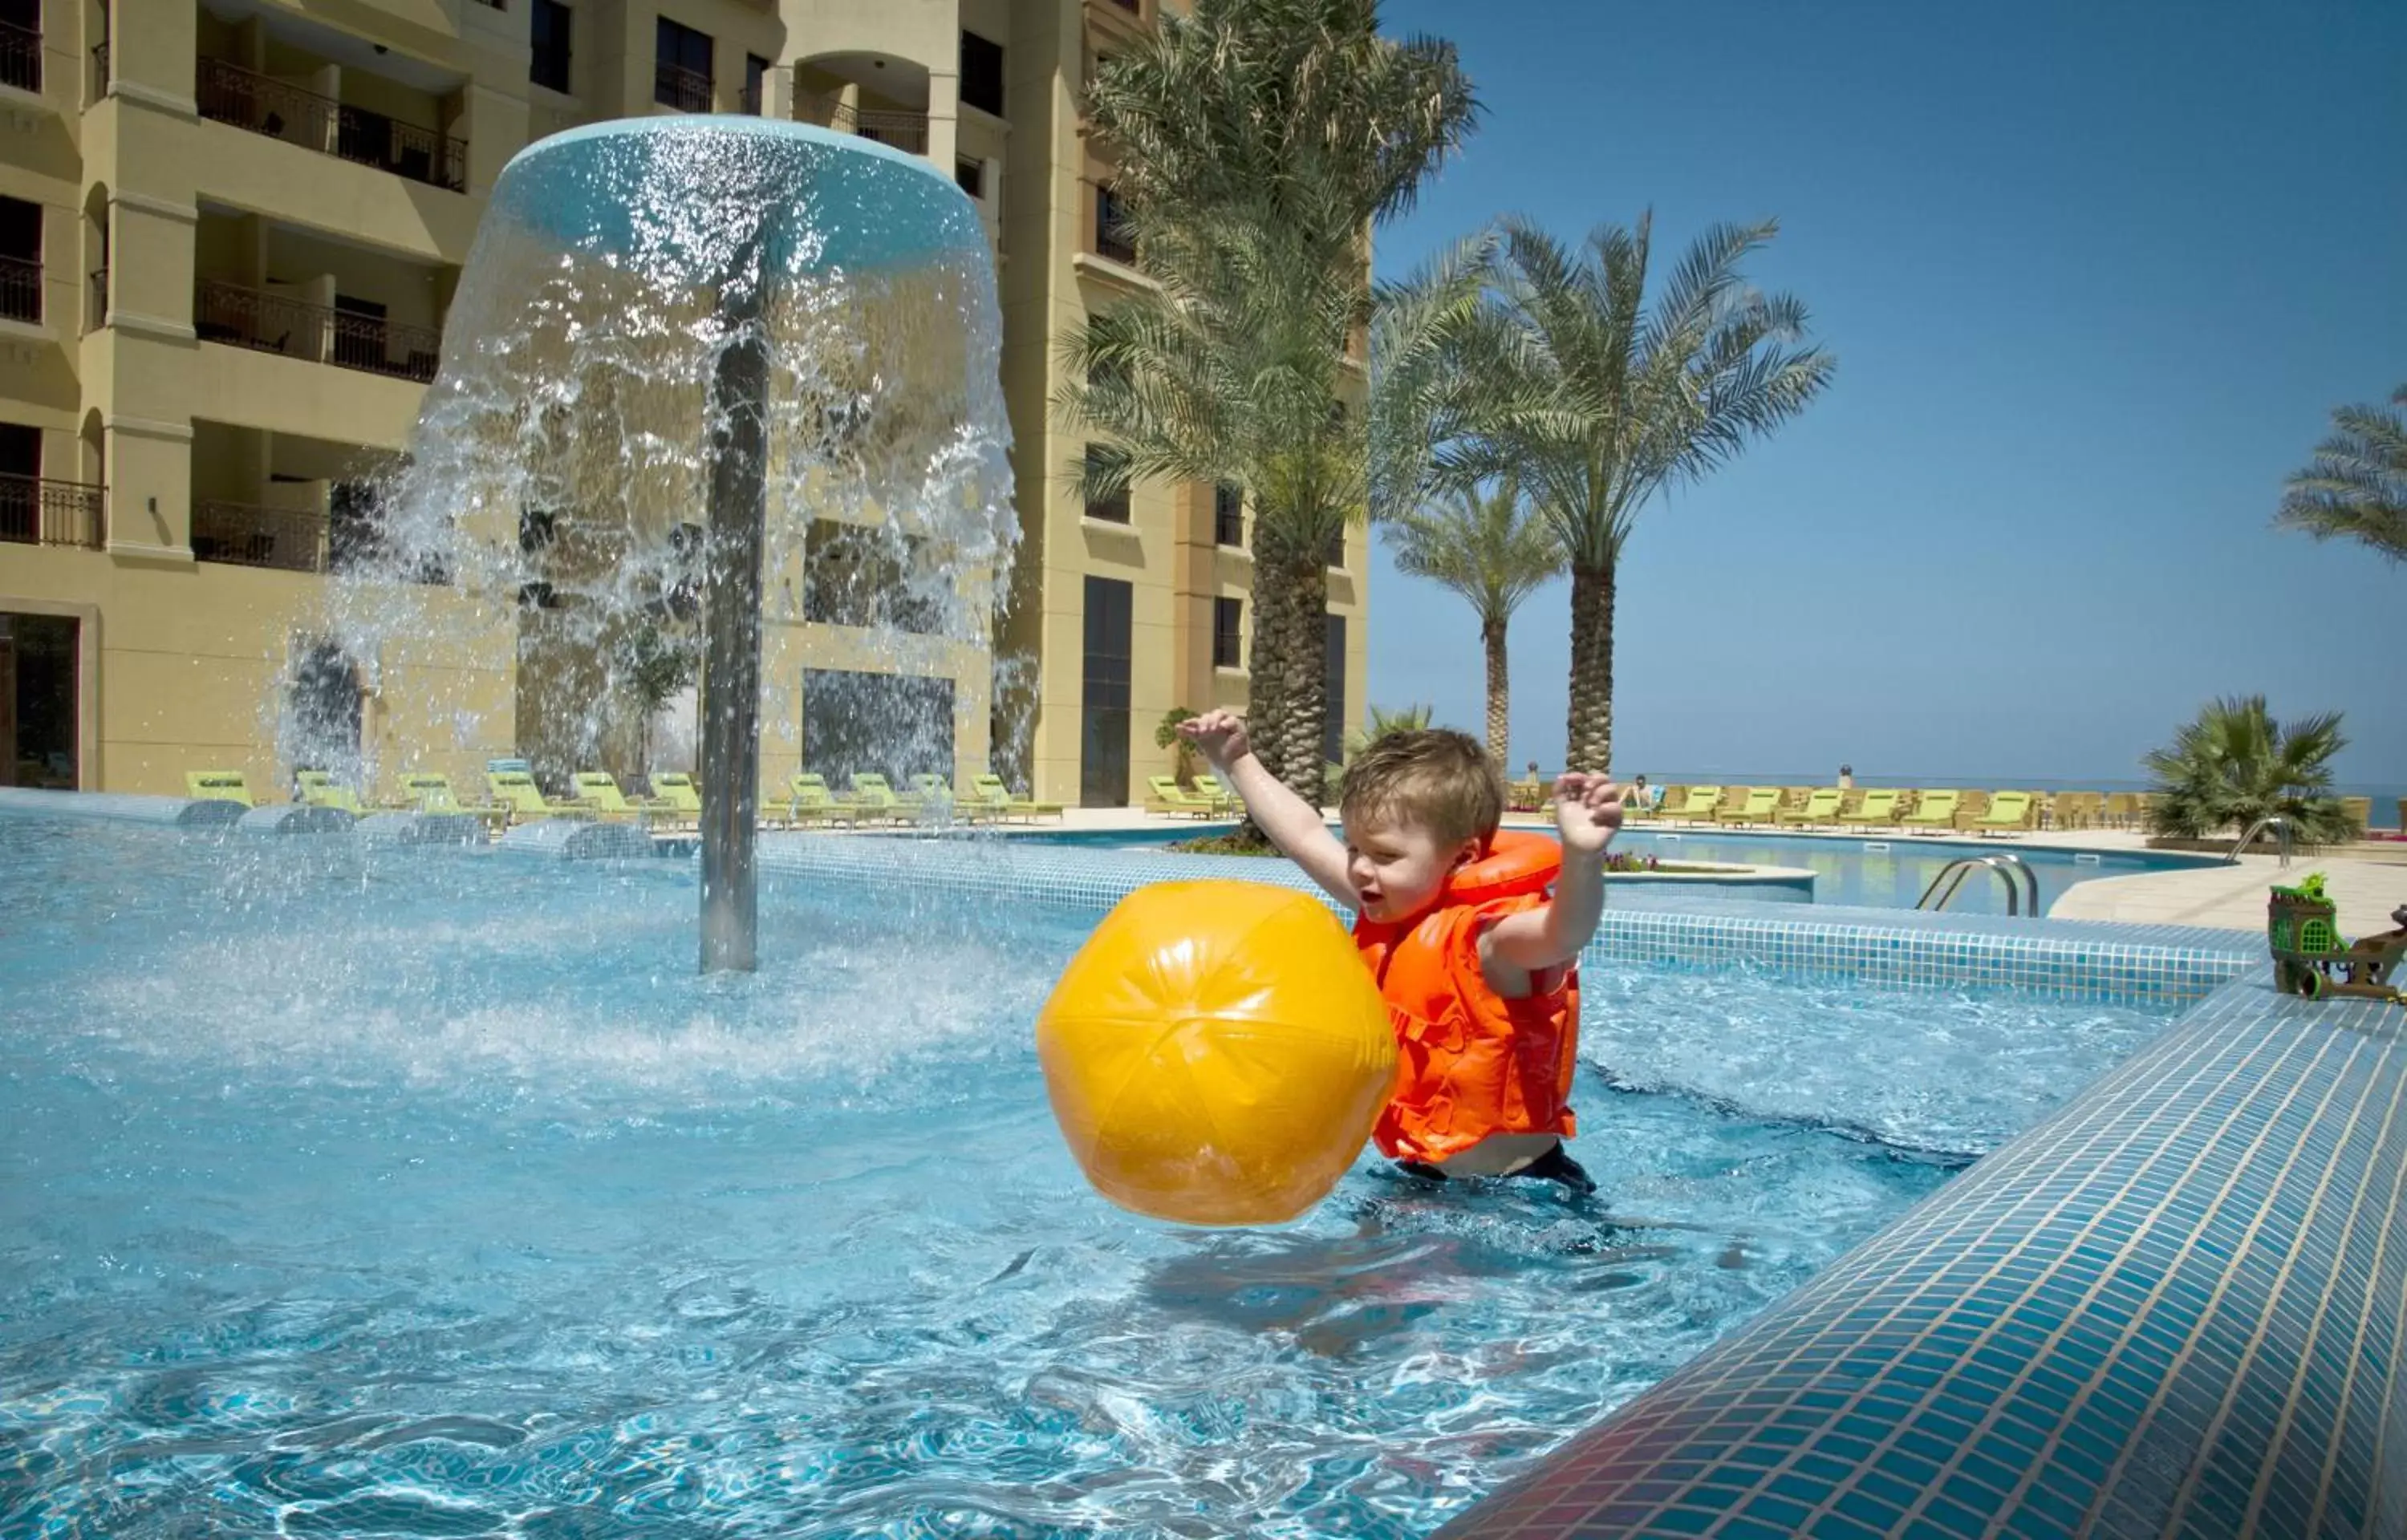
(1859,871)
(358,1188)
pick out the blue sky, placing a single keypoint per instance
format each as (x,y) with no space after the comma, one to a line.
(2094,276)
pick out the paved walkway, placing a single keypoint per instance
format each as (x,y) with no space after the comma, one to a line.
(2233,897)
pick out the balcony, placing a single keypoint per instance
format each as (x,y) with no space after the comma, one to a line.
(35,511)
(273,323)
(241,534)
(20,59)
(228,95)
(686,90)
(21,289)
(905,131)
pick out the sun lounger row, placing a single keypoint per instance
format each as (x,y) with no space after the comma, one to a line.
(513,797)
(1944,809)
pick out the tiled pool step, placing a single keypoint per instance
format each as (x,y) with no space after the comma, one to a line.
(2174,1309)
(1902,947)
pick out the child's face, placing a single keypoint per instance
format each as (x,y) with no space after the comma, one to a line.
(1398,867)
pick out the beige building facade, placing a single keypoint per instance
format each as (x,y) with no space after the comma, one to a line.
(230,235)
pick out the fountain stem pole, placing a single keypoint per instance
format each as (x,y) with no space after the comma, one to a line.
(731,618)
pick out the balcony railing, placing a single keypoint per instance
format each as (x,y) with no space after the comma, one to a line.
(291,539)
(228,94)
(99,71)
(20,58)
(272,323)
(21,289)
(99,300)
(35,511)
(686,90)
(905,131)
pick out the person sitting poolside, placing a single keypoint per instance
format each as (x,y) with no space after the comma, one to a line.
(1483,991)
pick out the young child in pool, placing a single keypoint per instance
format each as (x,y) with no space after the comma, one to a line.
(1482,986)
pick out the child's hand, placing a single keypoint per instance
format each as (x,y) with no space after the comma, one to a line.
(1220,736)
(1588,811)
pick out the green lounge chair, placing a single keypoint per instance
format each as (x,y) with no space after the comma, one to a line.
(994,799)
(1166,796)
(317,790)
(1878,809)
(2008,811)
(1822,807)
(599,790)
(1933,809)
(675,791)
(930,794)
(876,798)
(1699,806)
(425,791)
(517,791)
(1762,805)
(808,800)
(219,785)
(1209,785)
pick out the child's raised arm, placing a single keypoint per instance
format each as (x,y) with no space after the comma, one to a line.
(1295,826)
(1588,812)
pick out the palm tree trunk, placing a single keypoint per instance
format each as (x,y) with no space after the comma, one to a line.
(1266,688)
(1500,694)
(1304,655)
(1588,742)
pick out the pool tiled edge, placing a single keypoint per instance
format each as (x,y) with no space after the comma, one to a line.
(2173,1308)
(2081,958)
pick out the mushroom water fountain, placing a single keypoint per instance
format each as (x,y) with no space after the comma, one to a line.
(685,355)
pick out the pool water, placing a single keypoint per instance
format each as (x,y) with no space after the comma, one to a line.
(363,1191)
(1872,874)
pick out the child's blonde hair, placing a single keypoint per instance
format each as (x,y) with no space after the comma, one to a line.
(1435,777)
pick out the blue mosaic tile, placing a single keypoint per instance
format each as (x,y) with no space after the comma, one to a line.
(2087,959)
(2174,1309)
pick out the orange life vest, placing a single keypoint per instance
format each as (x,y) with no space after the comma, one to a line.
(1471,1063)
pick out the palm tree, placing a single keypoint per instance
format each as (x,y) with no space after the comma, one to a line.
(1257,142)
(1486,546)
(1598,402)
(2235,765)
(2357,484)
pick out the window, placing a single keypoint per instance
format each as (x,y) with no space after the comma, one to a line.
(857,575)
(20,485)
(21,259)
(21,48)
(538,530)
(681,76)
(547,29)
(756,84)
(894,724)
(1115,508)
(969,177)
(1103,695)
(981,73)
(1111,231)
(320,729)
(1229,516)
(40,734)
(360,333)
(1336,556)
(1228,633)
(1332,731)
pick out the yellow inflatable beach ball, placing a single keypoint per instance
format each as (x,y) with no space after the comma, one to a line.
(1217,1053)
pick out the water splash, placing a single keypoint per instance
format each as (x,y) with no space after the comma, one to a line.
(547,519)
